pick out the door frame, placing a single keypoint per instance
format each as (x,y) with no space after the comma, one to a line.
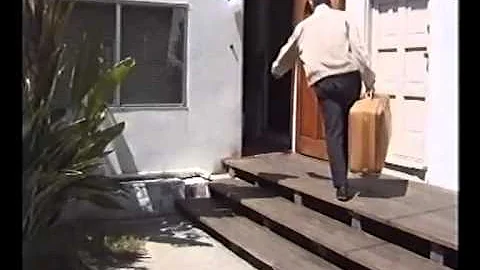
(298,12)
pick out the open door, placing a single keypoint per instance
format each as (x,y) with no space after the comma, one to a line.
(310,129)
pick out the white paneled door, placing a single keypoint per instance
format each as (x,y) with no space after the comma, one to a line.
(400,59)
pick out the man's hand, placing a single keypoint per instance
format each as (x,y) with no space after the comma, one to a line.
(276,76)
(370,92)
(274,71)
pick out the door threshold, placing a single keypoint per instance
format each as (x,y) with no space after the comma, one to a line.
(416,172)
(403,175)
(267,143)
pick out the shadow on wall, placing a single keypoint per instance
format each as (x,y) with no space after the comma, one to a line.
(239,22)
(121,150)
(237,7)
(149,194)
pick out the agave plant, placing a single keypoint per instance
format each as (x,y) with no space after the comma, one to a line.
(63,147)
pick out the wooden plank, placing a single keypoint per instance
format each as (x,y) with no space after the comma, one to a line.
(389,256)
(383,200)
(306,178)
(326,232)
(438,222)
(265,249)
(321,229)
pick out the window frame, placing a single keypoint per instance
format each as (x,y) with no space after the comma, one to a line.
(116,105)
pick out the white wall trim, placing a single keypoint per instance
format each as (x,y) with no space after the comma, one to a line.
(118,44)
(142,2)
(294,110)
(368,11)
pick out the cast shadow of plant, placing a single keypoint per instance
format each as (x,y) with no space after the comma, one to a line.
(68,247)
(169,229)
(99,256)
(122,152)
(87,239)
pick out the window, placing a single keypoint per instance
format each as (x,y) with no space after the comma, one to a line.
(154,35)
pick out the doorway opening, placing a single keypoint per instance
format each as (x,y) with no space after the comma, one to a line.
(267,102)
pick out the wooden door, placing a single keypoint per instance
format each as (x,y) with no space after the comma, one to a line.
(310,130)
(400,58)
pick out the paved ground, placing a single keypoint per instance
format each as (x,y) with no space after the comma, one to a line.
(175,244)
(209,255)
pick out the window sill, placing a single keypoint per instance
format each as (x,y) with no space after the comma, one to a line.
(148,108)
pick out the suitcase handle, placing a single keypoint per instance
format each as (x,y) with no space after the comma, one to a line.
(368,95)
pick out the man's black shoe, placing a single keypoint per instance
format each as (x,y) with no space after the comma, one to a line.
(342,193)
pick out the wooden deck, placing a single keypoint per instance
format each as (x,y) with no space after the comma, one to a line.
(248,239)
(279,211)
(424,211)
(341,244)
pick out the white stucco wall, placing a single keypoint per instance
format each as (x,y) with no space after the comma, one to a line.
(210,128)
(358,12)
(442,121)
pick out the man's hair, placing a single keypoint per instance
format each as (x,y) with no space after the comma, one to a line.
(319,2)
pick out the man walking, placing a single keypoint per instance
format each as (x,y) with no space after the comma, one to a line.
(330,49)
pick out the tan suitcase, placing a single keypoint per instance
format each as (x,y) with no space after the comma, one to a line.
(369,134)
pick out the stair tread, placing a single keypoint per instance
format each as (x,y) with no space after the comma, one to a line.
(329,233)
(258,241)
(411,207)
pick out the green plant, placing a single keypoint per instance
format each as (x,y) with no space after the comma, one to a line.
(125,244)
(111,252)
(63,147)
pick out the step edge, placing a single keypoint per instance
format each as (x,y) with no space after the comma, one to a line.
(324,245)
(313,212)
(238,250)
(387,222)
(256,257)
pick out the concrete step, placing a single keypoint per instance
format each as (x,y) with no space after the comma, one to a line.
(147,198)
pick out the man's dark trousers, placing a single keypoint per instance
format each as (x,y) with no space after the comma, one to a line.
(338,93)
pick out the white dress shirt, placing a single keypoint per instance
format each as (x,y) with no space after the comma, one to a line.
(326,43)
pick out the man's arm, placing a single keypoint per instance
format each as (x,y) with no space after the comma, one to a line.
(287,55)
(361,56)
